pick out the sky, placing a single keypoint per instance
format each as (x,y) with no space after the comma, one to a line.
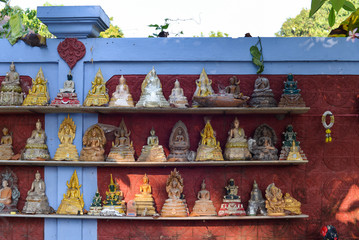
(236,17)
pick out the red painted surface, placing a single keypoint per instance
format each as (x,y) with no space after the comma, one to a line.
(322,185)
(71,51)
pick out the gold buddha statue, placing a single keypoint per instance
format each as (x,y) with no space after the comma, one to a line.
(151,92)
(177,98)
(175,205)
(67,150)
(145,205)
(152,152)
(6,151)
(93,140)
(237,145)
(203,206)
(275,203)
(36,148)
(208,148)
(203,87)
(114,200)
(292,205)
(11,91)
(38,94)
(122,96)
(294,153)
(122,149)
(73,202)
(97,95)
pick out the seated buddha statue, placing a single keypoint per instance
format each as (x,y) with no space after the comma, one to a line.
(11,91)
(9,193)
(67,150)
(6,151)
(287,146)
(291,96)
(231,201)
(122,149)
(275,203)
(263,143)
(256,203)
(93,140)
(152,152)
(122,96)
(262,95)
(237,145)
(36,148)
(179,143)
(5,193)
(67,95)
(36,200)
(114,200)
(145,204)
(203,206)
(38,94)
(208,148)
(294,153)
(72,202)
(292,206)
(96,205)
(151,92)
(97,95)
(175,205)
(177,98)
(203,87)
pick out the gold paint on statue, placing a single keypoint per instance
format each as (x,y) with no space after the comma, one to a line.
(114,198)
(145,205)
(275,203)
(97,95)
(38,94)
(203,206)
(294,154)
(6,151)
(93,140)
(66,134)
(152,152)
(292,205)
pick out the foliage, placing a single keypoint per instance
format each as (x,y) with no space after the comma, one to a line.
(161,30)
(257,56)
(214,34)
(113,31)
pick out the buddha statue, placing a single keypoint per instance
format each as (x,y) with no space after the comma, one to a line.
(122,149)
(67,150)
(72,202)
(234,89)
(262,95)
(179,143)
(11,91)
(256,203)
(145,204)
(36,148)
(275,203)
(232,205)
(294,153)
(9,192)
(96,205)
(291,96)
(38,94)
(67,95)
(177,98)
(93,140)
(36,200)
(203,87)
(263,143)
(292,206)
(237,145)
(97,95)
(175,205)
(122,96)
(114,200)
(203,206)
(6,151)
(152,152)
(151,92)
(290,138)
(208,148)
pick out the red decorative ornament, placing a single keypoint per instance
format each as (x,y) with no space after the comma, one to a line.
(71,50)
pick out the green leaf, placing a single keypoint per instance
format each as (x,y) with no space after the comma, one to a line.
(153,25)
(331,17)
(349,6)
(256,61)
(260,69)
(255,52)
(316,4)
(337,4)
(165,26)
(16,28)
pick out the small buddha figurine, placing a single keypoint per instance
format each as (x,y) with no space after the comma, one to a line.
(9,192)
(38,94)
(151,92)
(6,151)
(275,203)
(97,95)
(114,200)
(67,150)
(11,91)
(72,202)
(291,96)
(177,98)
(203,87)
(237,145)
(292,206)
(179,143)
(145,204)
(36,148)
(232,205)
(256,203)
(36,200)
(263,143)
(122,149)
(203,206)
(93,140)
(262,95)
(208,148)
(290,138)
(96,206)
(294,154)
(152,152)
(122,96)
(175,205)
(234,89)
(67,95)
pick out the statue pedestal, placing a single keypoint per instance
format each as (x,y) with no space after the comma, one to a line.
(95,211)
(11,98)
(263,99)
(66,99)
(237,153)
(36,152)
(231,207)
(121,154)
(291,100)
(152,154)
(121,209)
(39,206)
(205,153)
(285,151)
(174,208)
(6,152)
(71,207)
(204,208)
(145,206)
